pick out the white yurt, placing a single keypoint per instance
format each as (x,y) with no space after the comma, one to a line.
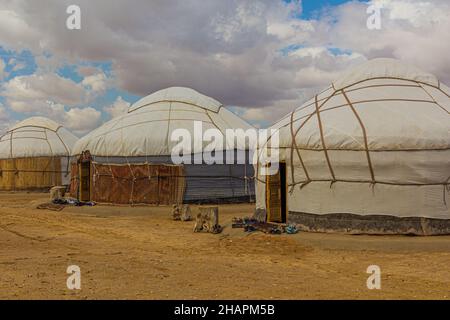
(128,159)
(369,154)
(35,155)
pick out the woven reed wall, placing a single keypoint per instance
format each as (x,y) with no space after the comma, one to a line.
(30,173)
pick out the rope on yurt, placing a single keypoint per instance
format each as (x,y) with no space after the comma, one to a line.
(212,121)
(106,151)
(167,144)
(133,181)
(146,160)
(52,159)
(230,177)
(297,149)
(168,123)
(364,131)
(246,178)
(322,138)
(176,101)
(246,182)
(446,188)
(258,152)
(432,98)
(389,78)
(379,182)
(30,170)
(446,185)
(95,174)
(307,116)
(364,101)
(445,93)
(294,143)
(1,169)
(294,135)
(129,167)
(67,150)
(13,161)
(304,106)
(365,87)
(376,150)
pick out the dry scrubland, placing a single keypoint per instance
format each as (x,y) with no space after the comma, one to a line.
(139,253)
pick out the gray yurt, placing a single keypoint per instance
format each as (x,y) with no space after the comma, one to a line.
(128,159)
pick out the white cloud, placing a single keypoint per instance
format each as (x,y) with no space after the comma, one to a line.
(95,82)
(79,120)
(313,52)
(118,108)
(417,13)
(55,97)
(16,31)
(29,93)
(3,114)
(268,115)
(82,120)
(232,50)
(5,120)
(16,65)
(2,69)
(88,71)
(414,31)
(291,30)
(222,48)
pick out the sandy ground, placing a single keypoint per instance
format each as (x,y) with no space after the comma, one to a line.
(140,253)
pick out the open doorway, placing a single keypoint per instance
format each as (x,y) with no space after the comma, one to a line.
(84,165)
(276,201)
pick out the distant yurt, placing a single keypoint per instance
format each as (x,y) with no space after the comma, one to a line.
(35,155)
(128,159)
(370,154)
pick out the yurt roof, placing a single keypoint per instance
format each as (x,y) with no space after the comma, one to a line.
(380,105)
(383,68)
(178,94)
(147,127)
(39,122)
(36,137)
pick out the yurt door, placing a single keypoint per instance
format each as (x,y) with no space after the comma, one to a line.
(85,176)
(276,195)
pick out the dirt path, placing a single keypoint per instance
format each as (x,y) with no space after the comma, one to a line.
(139,253)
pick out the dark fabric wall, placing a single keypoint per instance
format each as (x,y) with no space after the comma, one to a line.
(217,183)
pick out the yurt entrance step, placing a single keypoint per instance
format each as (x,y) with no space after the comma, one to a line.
(276,187)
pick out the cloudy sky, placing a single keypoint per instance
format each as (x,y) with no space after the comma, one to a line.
(261,58)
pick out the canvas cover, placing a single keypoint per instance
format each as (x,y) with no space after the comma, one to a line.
(179,94)
(147,128)
(143,136)
(36,137)
(376,142)
(35,154)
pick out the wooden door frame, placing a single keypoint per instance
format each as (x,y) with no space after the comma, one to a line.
(285,192)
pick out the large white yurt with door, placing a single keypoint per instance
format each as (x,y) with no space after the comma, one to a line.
(369,154)
(35,155)
(128,159)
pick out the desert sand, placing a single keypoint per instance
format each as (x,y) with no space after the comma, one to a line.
(140,253)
